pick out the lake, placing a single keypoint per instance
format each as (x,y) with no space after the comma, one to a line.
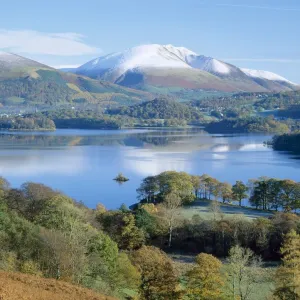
(83,163)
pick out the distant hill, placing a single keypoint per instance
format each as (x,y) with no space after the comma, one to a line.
(17,286)
(170,69)
(27,82)
(159,108)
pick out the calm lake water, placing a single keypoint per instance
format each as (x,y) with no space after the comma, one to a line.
(83,163)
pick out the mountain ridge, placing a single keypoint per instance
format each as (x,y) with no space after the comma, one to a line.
(139,60)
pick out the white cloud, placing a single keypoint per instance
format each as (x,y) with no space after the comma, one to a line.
(34,42)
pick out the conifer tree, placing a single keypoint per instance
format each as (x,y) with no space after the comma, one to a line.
(288,275)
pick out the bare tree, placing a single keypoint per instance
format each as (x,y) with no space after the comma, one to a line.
(244,271)
(215,209)
(170,211)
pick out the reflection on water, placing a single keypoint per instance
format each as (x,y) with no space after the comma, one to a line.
(82,163)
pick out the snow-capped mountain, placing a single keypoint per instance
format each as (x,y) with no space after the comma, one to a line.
(141,57)
(163,66)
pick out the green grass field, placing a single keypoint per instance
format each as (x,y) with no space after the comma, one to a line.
(203,209)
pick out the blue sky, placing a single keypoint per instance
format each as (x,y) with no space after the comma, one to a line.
(252,34)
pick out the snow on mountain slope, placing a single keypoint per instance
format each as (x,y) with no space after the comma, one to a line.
(156,56)
(208,64)
(144,56)
(5,56)
(265,75)
(10,60)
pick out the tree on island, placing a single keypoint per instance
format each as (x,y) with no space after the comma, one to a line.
(121,178)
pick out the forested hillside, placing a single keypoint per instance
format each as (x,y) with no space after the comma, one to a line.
(159,108)
(24,82)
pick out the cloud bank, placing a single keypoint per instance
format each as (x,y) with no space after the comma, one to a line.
(34,42)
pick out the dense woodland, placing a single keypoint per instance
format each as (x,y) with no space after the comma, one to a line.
(26,123)
(287,142)
(247,125)
(160,108)
(123,252)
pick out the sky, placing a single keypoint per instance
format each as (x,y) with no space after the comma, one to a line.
(256,34)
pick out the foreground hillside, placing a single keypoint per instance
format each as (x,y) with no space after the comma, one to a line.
(17,286)
(120,252)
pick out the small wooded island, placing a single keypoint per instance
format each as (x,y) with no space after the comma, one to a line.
(121,178)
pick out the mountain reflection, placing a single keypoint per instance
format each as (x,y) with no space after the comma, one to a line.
(187,140)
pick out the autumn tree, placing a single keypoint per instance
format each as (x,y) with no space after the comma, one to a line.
(288,275)
(225,191)
(204,281)
(122,229)
(158,279)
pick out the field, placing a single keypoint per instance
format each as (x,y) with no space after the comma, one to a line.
(17,286)
(204,210)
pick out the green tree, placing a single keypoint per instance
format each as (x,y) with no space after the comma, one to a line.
(290,195)
(196,182)
(36,196)
(176,182)
(59,213)
(239,191)
(122,229)
(148,189)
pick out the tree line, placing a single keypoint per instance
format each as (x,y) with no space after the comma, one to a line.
(262,193)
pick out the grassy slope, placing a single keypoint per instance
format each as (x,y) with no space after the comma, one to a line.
(174,80)
(17,286)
